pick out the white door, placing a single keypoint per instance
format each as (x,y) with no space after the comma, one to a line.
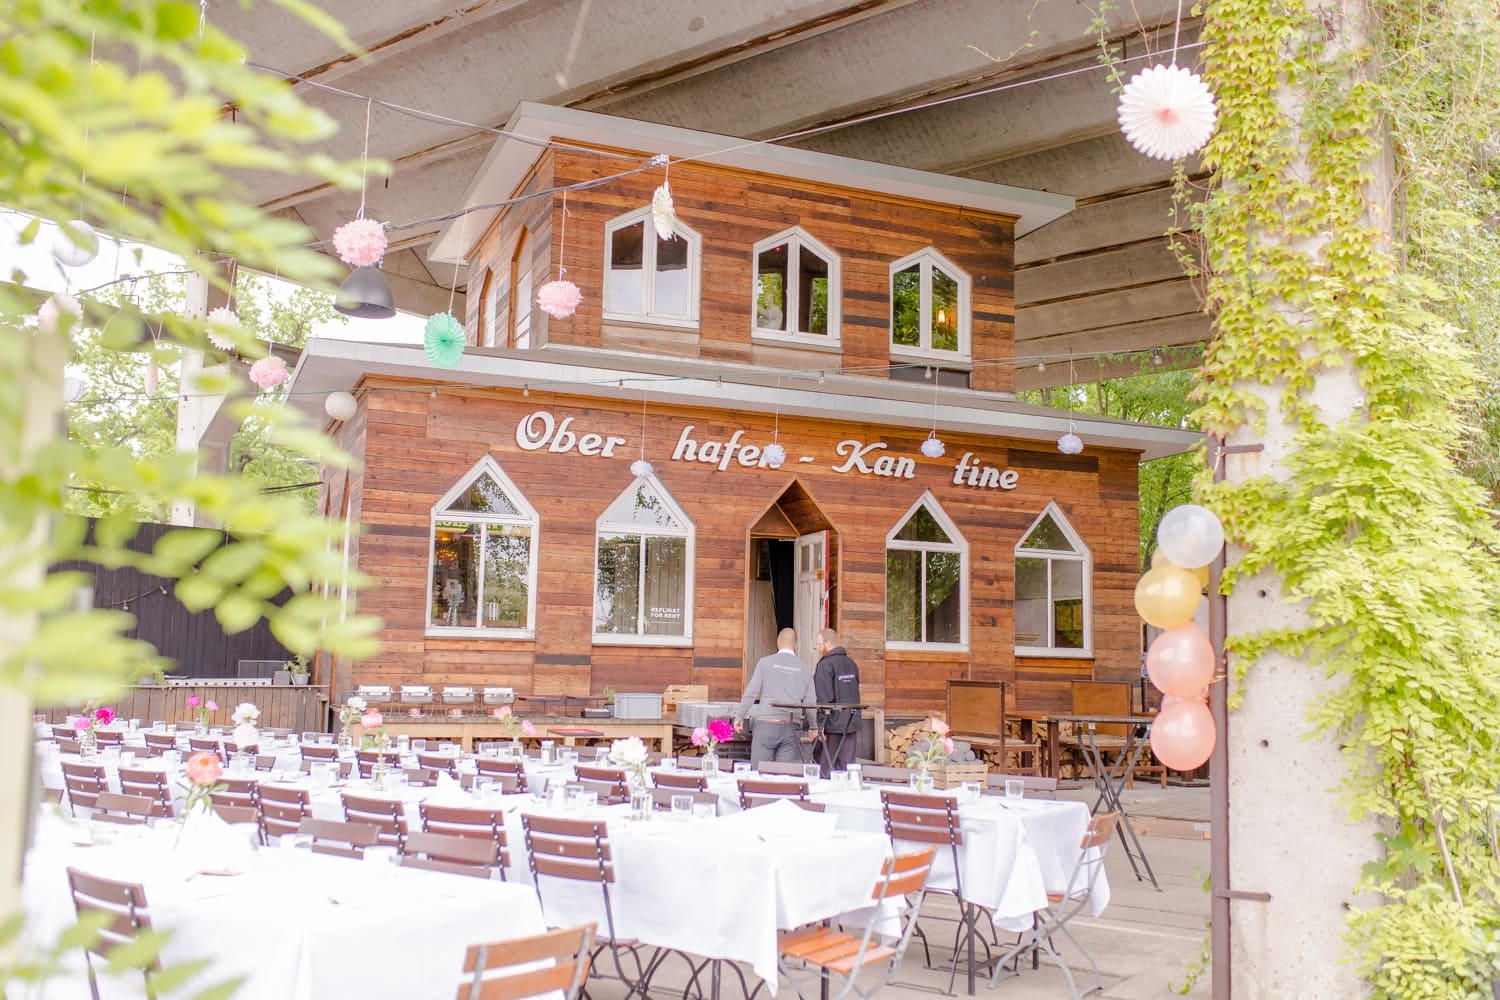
(810,610)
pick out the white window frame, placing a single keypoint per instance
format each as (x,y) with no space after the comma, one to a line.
(528,517)
(929,257)
(648,271)
(603,527)
(960,545)
(1082,554)
(796,238)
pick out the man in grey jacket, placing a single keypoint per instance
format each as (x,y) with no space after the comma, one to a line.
(781,678)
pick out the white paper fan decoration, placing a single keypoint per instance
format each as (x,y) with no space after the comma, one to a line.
(222,316)
(1070,444)
(663,214)
(641,468)
(774,455)
(933,447)
(1167,112)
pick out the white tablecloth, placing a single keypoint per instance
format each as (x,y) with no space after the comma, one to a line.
(298,926)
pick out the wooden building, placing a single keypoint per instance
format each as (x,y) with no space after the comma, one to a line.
(844,310)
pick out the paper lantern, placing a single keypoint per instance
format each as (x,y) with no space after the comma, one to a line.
(558,299)
(1182,736)
(341,405)
(268,372)
(1167,596)
(1070,444)
(1190,536)
(360,242)
(72,388)
(1166,112)
(443,340)
(75,244)
(933,447)
(1159,558)
(641,468)
(1180,661)
(664,213)
(774,454)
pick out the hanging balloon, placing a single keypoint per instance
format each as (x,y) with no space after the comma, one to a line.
(1181,661)
(1167,596)
(1159,558)
(341,405)
(1182,737)
(1190,535)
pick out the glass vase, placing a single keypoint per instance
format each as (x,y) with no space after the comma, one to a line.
(711,765)
(88,744)
(922,779)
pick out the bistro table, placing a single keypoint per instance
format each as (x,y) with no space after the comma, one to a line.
(1110,778)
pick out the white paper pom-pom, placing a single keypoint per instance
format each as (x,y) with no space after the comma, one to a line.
(663,214)
(774,455)
(1167,112)
(222,316)
(268,372)
(1070,444)
(641,468)
(559,299)
(933,447)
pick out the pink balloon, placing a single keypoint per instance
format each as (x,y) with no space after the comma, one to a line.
(1183,735)
(1181,661)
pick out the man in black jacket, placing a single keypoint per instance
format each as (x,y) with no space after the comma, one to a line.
(836,681)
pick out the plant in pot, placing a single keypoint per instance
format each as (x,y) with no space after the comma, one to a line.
(300,670)
(609,701)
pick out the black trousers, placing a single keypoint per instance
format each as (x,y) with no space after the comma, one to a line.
(836,751)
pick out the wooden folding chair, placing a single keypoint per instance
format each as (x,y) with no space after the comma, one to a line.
(386,815)
(366,761)
(439,762)
(1062,907)
(126,810)
(282,810)
(610,782)
(757,793)
(504,970)
(661,798)
(161,741)
(150,783)
(342,840)
(318,751)
(83,782)
(835,953)
(879,774)
(125,905)
(236,814)
(489,767)
(460,821)
(782,767)
(693,782)
(442,852)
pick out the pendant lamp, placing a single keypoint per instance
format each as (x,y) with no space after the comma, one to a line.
(365,294)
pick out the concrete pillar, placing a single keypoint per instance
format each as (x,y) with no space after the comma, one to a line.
(195,411)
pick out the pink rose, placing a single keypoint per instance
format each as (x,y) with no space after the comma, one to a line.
(948,744)
(940,727)
(105,716)
(82,723)
(203,768)
(212,705)
(503,712)
(527,729)
(371,719)
(700,736)
(721,730)
(194,701)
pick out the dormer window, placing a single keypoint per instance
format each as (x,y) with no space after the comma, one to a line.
(929,307)
(796,289)
(648,279)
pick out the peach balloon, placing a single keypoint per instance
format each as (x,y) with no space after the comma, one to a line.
(1167,596)
(1159,558)
(1168,700)
(1181,660)
(1182,737)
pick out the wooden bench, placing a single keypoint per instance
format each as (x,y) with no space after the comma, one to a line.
(976,715)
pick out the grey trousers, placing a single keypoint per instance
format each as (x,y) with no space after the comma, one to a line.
(775,741)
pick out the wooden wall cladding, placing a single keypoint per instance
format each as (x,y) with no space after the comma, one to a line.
(732,210)
(415,447)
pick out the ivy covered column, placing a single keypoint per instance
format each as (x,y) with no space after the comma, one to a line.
(1362,576)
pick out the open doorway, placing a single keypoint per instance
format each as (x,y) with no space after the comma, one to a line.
(792,575)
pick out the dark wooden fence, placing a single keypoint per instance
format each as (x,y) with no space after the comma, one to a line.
(281,706)
(194,641)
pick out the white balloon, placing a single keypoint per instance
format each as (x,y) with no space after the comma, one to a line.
(1190,536)
(341,405)
(67,250)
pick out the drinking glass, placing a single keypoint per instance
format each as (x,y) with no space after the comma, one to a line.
(811,772)
(840,780)
(135,725)
(158,726)
(419,746)
(704,810)
(742,767)
(682,807)
(856,776)
(601,754)
(640,804)
(1015,788)
(570,796)
(971,791)
(548,749)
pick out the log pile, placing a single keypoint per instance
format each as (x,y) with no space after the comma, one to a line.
(902,740)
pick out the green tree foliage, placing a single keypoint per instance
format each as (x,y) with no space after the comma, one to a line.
(1389,548)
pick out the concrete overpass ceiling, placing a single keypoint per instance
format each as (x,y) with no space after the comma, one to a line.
(1100,280)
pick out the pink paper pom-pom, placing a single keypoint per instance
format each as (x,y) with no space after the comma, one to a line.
(360,242)
(558,299)
(268,372)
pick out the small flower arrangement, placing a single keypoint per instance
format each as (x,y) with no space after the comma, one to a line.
(514,725)
(90,721)
(204,708)
(632,755)
(203,774)
(373,724)
(710,736)
(935,750)
(351,712)
(245,716)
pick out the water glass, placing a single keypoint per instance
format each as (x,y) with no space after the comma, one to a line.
(135,725)
(742,767)
(640,804)
(1015,788)
(972,791)
(811,772)
(570,796)
(548,749)
(682,807)
(704,810)
(158,726)
(419,746)
(840,780)
(856,777)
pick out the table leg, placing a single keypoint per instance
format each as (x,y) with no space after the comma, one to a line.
(1054,750)
(1109,780)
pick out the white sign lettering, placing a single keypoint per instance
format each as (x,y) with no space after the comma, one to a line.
(540,430)
(984,476)
(884,465)
(719,453)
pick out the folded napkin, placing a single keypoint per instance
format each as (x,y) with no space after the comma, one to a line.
(780,819)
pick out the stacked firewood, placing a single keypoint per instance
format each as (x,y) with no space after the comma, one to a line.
(902,740)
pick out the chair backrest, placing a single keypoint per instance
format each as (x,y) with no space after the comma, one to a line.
(667,779)
(904,874)
(460,821)
(64,732)
(563,956)
(282,809)
(124,902)
(446,853)
(368,760)
(109,737)
(881,775)
(806,805)
(779,767)
(1036,787)
(167,741)
(212,744)
(65,745)
(439,762)
(754,793)
(1092,848)
(84,782)
(150,783)
(911,816)
(575,849)
(661,797)
(237,792)
(610,782)
(1104,698)
(344,840)
(130,810)
(319,751)
(346,767)
(236,814)
(689,763)
(976,708)
(422,777)
(386,815)
(265,762)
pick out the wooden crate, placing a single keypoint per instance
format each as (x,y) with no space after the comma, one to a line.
(673,694)
(953,775)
